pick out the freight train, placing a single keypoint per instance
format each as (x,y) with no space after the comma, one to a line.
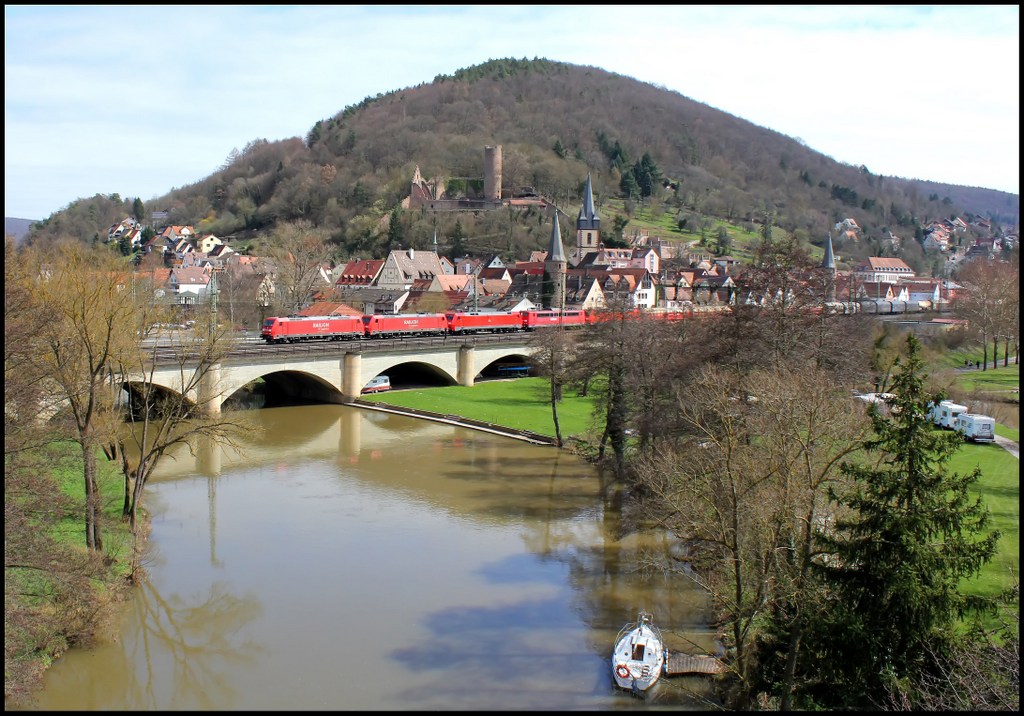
(295,329)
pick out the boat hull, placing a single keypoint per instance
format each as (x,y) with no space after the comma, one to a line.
(638,659)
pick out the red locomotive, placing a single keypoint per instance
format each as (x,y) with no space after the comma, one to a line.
(291,329)
(401,324)
(493,322)
(534,319)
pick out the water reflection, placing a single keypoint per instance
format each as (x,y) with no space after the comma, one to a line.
(422,566)
(187,642)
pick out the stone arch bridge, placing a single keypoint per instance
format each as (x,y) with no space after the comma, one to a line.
(336,372)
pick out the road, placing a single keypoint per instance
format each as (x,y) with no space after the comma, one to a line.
(1009,445)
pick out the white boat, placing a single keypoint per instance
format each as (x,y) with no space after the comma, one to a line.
(639,655)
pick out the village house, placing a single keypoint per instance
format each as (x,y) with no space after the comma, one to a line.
(124,226)
(206,243)
(359,272)
(877,268)
(189,285)
(402,268)
(847,230)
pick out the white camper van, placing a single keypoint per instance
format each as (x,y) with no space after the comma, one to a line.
(945,414)
(979,428)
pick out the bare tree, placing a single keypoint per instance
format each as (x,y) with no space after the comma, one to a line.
(746,490)
(297,252)
(92,326)
(553,352)
(159,418)
(985,299)
(48,594)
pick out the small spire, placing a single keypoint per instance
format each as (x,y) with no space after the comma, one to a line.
(555,250)
(588,218)
(829,262)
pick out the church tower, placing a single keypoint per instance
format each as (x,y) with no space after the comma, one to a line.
(555,265)
(588,225)
(829,264)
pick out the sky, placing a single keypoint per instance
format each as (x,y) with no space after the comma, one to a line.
(139,100)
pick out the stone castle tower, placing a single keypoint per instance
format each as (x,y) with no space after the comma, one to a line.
(492,173)
(555,265)
(588,224)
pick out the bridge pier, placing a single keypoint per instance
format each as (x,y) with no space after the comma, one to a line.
(210,394)
(352,370)
(467,367)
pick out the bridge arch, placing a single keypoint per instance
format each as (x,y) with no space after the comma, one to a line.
(336,374)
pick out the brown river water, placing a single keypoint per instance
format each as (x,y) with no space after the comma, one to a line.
(350,559)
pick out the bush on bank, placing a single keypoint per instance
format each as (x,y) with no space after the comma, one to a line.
(57,594)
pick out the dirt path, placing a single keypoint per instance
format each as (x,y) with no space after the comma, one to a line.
(1009,445)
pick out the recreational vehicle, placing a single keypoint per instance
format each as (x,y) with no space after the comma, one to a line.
(944,414)
(978,428)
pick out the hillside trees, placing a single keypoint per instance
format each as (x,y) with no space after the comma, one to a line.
(897,558)
(606,119)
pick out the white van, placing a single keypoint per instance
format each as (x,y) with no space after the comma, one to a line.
(378,385)
(979,428)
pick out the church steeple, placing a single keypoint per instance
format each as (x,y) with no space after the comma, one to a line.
(829,264)
(555,265)
(588,224)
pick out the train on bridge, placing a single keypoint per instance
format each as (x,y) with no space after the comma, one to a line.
(296,329)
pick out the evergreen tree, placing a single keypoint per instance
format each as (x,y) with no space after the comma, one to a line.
(458,245)
(629,185)
(138,210)
(396,232)
(896,562)
(647,175)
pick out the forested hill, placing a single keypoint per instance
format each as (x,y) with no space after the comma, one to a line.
(556,123)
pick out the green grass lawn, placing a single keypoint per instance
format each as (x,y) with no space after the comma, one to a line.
(999,488)
(65,458)
(522,403)
(993,380)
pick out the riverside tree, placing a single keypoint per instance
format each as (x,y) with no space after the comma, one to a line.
(49,599)
(553,353)
(159,420)
(86,293)
(895,562)
(745,487)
